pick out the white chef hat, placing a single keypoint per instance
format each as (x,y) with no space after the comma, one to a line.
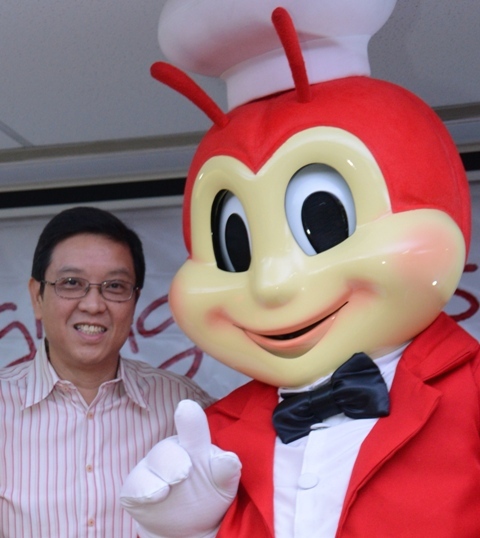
(236,40)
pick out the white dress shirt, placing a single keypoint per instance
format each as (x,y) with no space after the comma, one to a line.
(63,462)
(311,474)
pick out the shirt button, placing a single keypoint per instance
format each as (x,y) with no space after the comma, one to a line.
(90,415)
(89,468)
(307,481)
(91,522)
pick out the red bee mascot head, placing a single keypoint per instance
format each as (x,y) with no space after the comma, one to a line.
(327,212)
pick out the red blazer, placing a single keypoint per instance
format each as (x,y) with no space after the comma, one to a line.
(417,473)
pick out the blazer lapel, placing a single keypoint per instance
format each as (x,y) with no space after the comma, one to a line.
(252,438)
(412,403)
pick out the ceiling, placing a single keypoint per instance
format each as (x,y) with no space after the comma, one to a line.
(77,102)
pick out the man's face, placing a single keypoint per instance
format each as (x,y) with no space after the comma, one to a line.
(86,332)
(291,290)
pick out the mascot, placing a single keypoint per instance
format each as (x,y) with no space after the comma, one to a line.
(327,220)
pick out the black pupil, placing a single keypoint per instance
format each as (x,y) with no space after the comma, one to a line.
(230,241)
(238,247)
(324,220)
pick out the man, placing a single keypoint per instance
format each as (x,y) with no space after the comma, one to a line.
(78,417)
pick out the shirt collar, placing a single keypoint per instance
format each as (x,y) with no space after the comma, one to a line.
(42,378)
(129,376)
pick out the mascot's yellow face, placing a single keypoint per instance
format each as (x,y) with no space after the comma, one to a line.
(297,267)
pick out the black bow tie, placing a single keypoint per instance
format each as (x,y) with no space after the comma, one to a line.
(356,388)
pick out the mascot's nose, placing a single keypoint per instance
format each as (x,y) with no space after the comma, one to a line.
(275,280)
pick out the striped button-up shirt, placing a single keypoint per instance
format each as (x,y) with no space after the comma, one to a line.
(63,462)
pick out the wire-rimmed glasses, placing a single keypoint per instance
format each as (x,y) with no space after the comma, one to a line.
(117,291)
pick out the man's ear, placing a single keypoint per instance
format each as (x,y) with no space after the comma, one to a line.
(36,298)
(137,296)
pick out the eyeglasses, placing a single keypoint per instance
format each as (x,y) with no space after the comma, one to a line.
(117,291)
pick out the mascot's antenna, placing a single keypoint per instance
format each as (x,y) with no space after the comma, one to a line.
(179,81)
(288,36)
(182,83)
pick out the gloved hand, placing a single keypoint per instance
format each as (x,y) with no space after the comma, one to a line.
(184,485)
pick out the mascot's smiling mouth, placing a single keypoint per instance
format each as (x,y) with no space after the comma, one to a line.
(295,343)
(295,334)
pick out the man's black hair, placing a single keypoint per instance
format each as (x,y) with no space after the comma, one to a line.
(86,220)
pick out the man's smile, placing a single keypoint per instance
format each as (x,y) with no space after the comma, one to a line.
(89,329)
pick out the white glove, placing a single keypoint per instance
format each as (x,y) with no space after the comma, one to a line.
(184,485)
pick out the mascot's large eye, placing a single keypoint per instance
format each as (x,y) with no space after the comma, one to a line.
(230,233)
(320,208)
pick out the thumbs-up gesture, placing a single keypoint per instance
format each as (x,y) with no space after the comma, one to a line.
(184,485)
